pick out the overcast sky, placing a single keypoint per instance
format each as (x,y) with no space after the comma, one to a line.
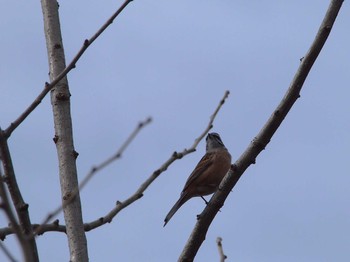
(173,60)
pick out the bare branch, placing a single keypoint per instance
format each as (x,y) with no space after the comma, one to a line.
(24,228)
(6,206)
(262,139)
(211,121)
(40,229)
(71,65)
(7,252)
(221,250)
(63,126)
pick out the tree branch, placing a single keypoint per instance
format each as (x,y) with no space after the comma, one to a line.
(60,102)
(6,206)
(22,231)
(262,139)
(48,86)
(221,250)
(7,253)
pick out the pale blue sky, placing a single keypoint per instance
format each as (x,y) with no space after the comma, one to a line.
(173,60)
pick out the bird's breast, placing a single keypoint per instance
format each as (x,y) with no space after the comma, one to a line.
(209,180)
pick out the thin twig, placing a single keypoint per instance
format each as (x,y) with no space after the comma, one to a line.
(221,250)
(117,155)
(71,65)
(262,139)
(211,120)
(94,170)
(7,252)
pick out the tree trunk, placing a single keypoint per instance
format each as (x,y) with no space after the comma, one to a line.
(60,100)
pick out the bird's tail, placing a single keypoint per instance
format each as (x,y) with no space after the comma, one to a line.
(183,198)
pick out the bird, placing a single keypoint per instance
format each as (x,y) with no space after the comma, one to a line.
(207,175)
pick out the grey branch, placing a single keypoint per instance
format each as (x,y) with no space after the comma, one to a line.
(263,137)
(6,206)
(23,228)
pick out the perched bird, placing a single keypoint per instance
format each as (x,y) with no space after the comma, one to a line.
(207,175)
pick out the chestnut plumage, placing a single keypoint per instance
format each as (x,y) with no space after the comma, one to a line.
(207,175)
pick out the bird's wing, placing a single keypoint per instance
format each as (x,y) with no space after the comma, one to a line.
(206,161)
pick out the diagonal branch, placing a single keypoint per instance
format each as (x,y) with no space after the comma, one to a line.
(6,206)
(7,252)
(262,139)
(211,121)
(24,228)
(72,64)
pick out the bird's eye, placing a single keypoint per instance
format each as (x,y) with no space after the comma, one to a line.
(216,135)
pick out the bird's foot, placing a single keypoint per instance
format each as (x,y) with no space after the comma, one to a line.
(206,202)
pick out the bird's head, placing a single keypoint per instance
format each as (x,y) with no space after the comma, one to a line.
(214,141)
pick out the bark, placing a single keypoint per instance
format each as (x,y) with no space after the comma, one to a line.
(23,230)
(60,101)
